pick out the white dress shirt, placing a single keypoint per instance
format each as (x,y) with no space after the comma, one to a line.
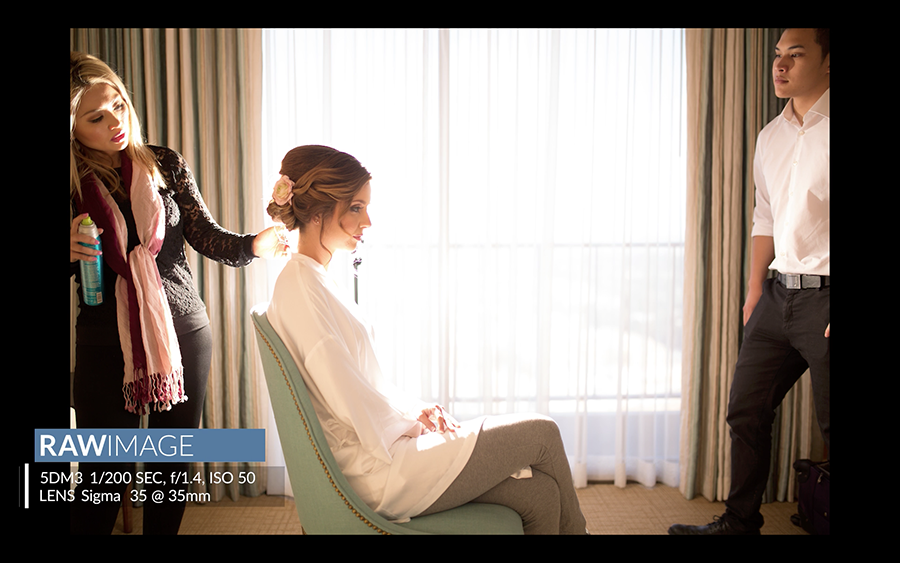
(791,169)
(364,416)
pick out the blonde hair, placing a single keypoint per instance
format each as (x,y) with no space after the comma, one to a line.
(323,178)
(86,72)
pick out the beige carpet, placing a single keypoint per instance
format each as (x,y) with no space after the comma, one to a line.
(634,510)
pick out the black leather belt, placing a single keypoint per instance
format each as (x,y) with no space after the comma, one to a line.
(803,281)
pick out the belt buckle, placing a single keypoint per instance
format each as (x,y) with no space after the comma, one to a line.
(792,281)
(812,282)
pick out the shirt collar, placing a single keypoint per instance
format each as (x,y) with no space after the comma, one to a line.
(821,107)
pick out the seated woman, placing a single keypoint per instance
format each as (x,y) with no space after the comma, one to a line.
(403,457)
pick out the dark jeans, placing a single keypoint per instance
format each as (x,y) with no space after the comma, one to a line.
(99,403)
(784,336)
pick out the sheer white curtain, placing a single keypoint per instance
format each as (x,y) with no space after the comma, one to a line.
(528,219)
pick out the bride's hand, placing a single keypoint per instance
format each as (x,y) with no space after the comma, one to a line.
(436,419)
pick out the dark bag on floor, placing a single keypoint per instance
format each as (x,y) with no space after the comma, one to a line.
(813,506)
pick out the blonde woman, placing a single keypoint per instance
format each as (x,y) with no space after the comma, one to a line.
(404,457)
(147,347)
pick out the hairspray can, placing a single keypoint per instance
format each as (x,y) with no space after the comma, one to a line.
(91,272)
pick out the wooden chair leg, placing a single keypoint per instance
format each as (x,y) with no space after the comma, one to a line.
(127,524)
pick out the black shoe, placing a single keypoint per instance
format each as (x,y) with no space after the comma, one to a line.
(719,527)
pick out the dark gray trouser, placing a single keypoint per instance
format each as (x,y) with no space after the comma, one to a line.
(546,502)
(99,404)
(784,336)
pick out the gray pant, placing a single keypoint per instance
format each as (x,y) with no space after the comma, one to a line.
(546,502)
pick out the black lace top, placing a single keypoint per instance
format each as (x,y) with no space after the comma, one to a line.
(187,219)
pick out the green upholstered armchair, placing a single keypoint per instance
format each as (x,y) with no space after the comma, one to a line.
(326,504)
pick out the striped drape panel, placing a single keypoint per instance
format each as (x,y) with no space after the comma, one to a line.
(198,92)
(730,99)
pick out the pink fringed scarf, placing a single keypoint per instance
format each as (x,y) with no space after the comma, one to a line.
(153,371)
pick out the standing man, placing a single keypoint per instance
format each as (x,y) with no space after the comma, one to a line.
(786,318)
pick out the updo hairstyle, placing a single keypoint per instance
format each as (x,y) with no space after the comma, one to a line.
(323,177)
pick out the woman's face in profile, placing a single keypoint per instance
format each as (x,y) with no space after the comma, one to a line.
(344,230)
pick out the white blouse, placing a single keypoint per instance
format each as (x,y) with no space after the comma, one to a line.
(363,415)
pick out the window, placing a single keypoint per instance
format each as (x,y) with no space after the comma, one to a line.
(528,218)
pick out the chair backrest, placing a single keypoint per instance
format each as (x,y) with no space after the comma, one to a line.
(326,504)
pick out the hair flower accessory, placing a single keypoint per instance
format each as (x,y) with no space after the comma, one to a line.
(283,191)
